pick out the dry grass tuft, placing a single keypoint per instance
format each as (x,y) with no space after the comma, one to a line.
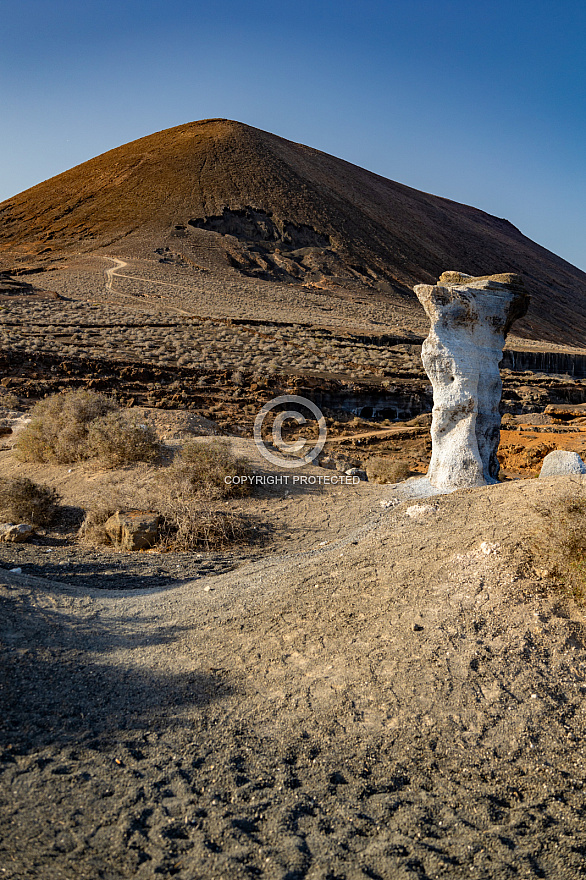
(22,500)
(194,522)
(561,545)
(381,469)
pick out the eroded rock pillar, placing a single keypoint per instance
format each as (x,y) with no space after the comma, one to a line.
(470,318)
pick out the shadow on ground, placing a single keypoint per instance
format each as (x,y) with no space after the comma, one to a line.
(53,691)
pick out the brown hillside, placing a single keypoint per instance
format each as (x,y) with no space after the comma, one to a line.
(283,212)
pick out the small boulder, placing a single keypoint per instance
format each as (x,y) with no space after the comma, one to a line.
(15,534)
(356,472)
(133,529)
(561,462)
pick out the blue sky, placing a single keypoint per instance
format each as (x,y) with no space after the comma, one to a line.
(483,104)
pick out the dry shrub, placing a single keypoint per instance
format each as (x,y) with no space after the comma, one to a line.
(116,441)
(78,425)
(423,420)
(59,426)
(189,494)
(8,400)
(190,491)
(561,545)
(21,500)
(381,469)
(203,468)
(191,522)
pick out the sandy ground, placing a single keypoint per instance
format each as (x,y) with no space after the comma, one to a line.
(402,698)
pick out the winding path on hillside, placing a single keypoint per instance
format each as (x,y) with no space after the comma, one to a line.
(109,273)
(120,264)
(113,271)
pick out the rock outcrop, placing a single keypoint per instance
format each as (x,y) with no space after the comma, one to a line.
(133,529)
(470,318)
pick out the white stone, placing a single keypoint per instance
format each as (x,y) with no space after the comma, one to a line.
(416,511)
(560,462)
(470,318)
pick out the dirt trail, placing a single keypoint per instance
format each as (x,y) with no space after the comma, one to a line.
(120,264)
(109,273)
(406,700)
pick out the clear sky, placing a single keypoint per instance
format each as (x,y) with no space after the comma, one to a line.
(482,103)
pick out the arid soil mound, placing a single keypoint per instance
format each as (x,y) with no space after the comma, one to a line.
(403,700)
(279,211)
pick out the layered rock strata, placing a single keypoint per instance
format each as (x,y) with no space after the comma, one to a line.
(470,318)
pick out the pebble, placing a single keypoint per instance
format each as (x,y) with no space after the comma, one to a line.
(416,511)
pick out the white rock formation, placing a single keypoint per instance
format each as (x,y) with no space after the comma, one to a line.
(470,318)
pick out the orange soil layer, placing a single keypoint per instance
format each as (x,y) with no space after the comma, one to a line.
(522,452)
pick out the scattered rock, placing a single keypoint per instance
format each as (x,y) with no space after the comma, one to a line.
(561,462)
(133,529)
(535,419)
(15,534)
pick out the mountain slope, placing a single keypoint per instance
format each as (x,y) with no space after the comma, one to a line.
(285,212)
